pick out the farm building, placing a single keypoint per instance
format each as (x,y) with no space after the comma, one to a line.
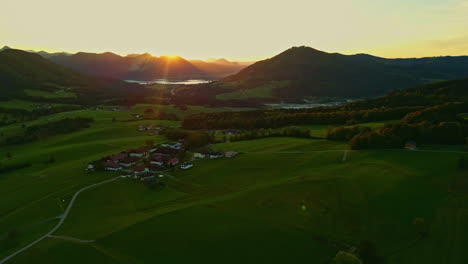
(198,156)
(139,152)
(130,161)
(411,145)
(173,161)
(111,166)
(231,154)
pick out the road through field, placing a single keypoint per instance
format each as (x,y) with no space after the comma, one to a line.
(59,224)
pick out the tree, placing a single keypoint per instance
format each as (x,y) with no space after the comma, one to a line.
(343,257)
(149,142)
(8,155)
(149,112)
(420,226)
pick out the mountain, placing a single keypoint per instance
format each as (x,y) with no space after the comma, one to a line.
(222,61)
(218,68)
(145,67)
(311,72)
(49,55)
(20,70)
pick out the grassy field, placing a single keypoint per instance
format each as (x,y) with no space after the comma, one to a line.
(45,94)
(25,105)
(321,130)
(282,200)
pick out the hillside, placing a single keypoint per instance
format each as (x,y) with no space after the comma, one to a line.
(145,67)
(20,70)
(442,101)
(315,73)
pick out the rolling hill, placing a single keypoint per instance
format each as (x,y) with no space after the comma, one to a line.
(312,72)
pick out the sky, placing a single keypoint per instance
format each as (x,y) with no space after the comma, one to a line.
(237,29)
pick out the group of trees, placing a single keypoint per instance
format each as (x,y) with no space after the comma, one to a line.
(281,118)
(21,115)
(396,134)
(49,129)
(346,133)
(150,114)
(192,139)
(292,131)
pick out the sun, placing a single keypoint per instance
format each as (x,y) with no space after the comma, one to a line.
(171,56)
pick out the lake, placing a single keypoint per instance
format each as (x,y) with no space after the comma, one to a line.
(169,82)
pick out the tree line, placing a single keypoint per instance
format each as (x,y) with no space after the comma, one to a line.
(42,131)
(275,119)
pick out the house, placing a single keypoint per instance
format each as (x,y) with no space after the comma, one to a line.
(130,161)
(231,154)
(117,157)
(167,151)
(173,161)
(176,145)
(91,167)
(411,145)
(186,166)
(216,155)
(152,149)
(144,174)
(157,161)
(111,166)
(154,167)
(198,156)
(230,132)
(139,152)
(139,169)
(206,151)
(161,158)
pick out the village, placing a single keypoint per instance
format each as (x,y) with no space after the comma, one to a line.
(147,163)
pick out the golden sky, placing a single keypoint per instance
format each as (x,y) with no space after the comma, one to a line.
(237,29)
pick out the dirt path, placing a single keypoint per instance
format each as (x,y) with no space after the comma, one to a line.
(59,224)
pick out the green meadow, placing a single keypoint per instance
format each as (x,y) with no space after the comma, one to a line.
(46,94)
(23,104)
(282,200)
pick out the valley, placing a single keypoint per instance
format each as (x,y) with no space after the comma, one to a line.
(247,168)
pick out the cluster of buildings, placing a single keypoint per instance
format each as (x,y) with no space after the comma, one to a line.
(144,163)
(141,163)
(153,129)
(208,153)
(113,109)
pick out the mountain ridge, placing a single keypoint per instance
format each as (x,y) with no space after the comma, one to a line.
(313,72)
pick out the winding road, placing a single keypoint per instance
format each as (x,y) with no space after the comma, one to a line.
(60,223)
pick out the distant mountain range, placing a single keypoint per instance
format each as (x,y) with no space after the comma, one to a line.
(144,67)
(311,72)
(20,70)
